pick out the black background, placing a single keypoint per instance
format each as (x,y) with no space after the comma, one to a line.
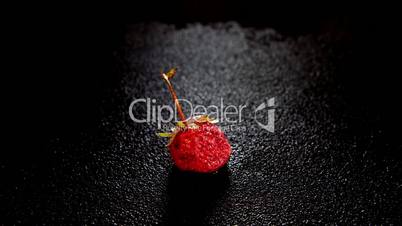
(69,41)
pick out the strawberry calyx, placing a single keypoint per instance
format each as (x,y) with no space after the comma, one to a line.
(192,123)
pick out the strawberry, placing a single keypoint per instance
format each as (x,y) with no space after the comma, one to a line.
(197,144)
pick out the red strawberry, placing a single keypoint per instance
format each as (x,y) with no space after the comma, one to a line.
(203,148)
(197,144)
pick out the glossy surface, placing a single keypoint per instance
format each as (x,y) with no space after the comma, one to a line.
(333,158)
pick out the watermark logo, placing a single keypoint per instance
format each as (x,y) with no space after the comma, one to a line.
(230,115)
(269,110)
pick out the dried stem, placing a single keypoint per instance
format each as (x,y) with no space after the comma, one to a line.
(174,96)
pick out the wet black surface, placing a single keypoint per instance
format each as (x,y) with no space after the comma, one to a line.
(333,158)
